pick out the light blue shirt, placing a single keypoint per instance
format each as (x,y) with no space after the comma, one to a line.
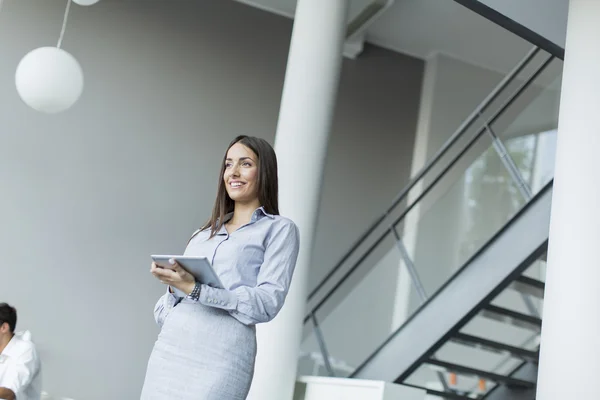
(255,264)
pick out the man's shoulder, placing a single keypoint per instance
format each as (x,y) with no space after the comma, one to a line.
(18,348)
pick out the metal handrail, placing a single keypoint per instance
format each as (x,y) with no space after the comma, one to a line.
(430,164)
(461,130)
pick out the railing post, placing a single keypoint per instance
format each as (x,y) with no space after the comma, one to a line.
(508,162)
(410,266)
(322,345)
(416,280)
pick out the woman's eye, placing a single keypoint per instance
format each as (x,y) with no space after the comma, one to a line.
(228,165)
(247,164)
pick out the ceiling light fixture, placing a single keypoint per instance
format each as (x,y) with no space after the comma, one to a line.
(49,79)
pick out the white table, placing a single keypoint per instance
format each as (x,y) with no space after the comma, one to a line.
(323,388)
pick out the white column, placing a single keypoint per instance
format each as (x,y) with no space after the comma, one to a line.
(570,352)
(305,118)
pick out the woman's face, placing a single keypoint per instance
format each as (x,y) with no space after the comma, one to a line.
(241,174)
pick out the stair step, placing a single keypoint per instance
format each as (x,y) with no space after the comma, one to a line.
(461,369)
(512,317)
(496,347)
(530,286)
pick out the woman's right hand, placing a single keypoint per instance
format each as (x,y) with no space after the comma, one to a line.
(154,268)
(175,276)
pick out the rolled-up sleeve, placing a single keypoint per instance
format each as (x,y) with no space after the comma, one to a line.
(261,303)
(21,373)
(163,307)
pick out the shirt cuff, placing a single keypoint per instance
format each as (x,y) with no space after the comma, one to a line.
(218,298)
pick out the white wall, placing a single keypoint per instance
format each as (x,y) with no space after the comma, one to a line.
(87,195)
(547,18)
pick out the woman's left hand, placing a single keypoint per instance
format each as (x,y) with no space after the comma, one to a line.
(174,275)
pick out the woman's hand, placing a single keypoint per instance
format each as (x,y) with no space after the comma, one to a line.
(175,276)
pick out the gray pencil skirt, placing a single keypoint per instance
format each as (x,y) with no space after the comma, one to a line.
(202,353)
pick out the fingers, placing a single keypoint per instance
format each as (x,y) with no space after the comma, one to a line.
(164,273)
(156,270)
(175,265)
(170,275)
(181,271)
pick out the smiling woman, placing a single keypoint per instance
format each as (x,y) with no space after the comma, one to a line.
(248,179)
(207,345)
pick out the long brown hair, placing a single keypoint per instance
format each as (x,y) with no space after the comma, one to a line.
(268,185)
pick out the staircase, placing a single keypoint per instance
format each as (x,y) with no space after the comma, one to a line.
(479,291)
(476,334)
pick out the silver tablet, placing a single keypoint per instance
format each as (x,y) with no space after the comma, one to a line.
(199,267)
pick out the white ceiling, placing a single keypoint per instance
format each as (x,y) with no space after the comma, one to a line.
(545,17)
(423,27)
(287,8)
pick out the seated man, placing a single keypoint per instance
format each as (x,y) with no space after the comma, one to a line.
(20,370)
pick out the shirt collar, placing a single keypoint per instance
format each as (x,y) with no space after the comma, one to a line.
(12,348)
(256,216)
(262,210)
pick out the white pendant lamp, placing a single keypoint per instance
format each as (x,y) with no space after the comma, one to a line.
(49,79)
(86,2)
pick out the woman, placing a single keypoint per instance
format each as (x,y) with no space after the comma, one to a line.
(207,344)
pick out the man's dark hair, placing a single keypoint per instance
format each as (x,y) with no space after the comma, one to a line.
(8,314)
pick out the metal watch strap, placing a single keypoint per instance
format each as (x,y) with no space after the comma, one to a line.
(195,294)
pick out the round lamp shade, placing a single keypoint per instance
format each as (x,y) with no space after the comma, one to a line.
(49,79)
(85,2)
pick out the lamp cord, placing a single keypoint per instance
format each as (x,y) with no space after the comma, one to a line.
(64,25)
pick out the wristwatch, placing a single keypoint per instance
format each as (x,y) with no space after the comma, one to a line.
(195,294)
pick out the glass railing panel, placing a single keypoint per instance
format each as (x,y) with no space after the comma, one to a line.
(422,229)
(311,360)
(454,111)
(354,321)
(352,259)
(477,198)
(440,128)
(527,128)
(360,315)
